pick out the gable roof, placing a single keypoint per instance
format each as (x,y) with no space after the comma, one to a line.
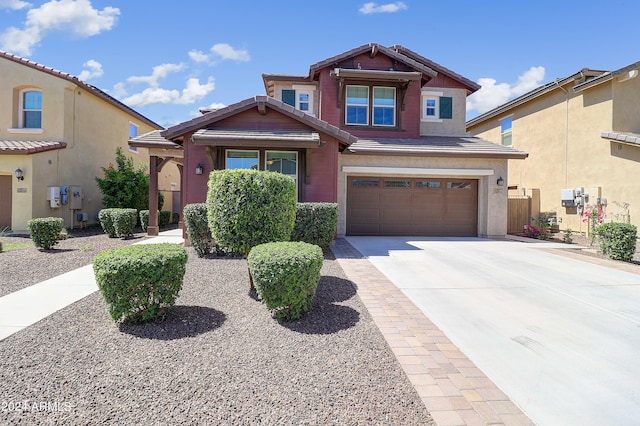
(373,49)
(261,103)
(75,80)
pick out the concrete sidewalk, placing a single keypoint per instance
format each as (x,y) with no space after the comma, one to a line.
(25,307)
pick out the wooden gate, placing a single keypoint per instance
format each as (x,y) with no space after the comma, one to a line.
(518,214)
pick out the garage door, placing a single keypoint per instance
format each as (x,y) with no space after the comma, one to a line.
(418,206)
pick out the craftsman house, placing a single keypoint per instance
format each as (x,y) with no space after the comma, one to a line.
(582,133)
(379,130)
(56,132)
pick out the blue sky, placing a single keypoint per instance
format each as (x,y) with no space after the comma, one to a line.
(167,59)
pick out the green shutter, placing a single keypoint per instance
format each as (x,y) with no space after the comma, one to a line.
(289,97)
(446,107)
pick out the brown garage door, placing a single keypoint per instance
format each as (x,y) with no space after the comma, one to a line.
(417,206)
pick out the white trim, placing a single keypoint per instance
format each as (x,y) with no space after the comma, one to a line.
(25,130)
(435,118)
(415,171)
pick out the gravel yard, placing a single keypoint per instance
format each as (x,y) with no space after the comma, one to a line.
(218,358)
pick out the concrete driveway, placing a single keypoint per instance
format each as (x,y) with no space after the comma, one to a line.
(561,337)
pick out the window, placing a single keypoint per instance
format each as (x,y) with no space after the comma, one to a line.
(436,107)
(357,111)
(458,185)
(505,131)
(384,106)
(427,184)
(133,132)
(365,183)
(242,160)
(285,162)
(300,97)
(397,184)
(31,109)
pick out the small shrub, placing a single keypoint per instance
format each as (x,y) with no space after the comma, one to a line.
(164,218)
(249,207)
(124,221)
(106,221)
(175,217)
(617,240)
(144,219)
(533,231)
(316,224)
(286,276)
(568,236)
(137,282)
(45,231)
(197,227)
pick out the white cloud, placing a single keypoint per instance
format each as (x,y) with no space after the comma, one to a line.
(192,92)
(94,71)
(225,51)
(492,95)
(13,4)
(159,71)
(198,56)
(77,17)
(369,8)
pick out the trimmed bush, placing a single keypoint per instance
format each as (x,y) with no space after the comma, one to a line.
(316,223)
(286,276)
(175,217)
(617,240)
(124,221)
(144,219)
(250,207)
(137,282)
(45,231)
(106,221)
(197,227)
(164,218)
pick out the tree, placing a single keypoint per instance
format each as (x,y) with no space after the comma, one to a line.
(123,186)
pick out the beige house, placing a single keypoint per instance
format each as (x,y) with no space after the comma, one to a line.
(582,134)
(56,132)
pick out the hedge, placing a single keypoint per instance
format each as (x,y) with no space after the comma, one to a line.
(197,227)
(45,231)
(316,224)
(137,282)
(164,218)
(286,276)
(617,240)
(250,207)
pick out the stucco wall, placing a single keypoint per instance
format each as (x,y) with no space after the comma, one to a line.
(454,126)
(492,199)
(566,150)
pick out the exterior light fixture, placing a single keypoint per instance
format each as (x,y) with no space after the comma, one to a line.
(19,174)
(500,181)
(199,169)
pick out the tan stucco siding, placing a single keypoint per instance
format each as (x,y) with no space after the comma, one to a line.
(450,127)
(492,199)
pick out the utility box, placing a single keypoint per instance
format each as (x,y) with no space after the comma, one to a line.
(75,197)
(53,196)
(568,197)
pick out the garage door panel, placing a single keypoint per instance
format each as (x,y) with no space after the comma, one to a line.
(417,206)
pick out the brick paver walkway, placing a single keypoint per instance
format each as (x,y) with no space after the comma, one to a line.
(452,388)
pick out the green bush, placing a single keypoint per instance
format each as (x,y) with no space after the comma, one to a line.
(164,218)
(124,221)
(106,221)
(175,217)
(617,240)
(286,276)
(316,223)
(197,227)
(144,219)
(137,282)
(45,231)
(122,186)
(250,207)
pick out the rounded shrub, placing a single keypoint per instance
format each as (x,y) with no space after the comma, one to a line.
(45,231)
(124,221)
(197,227)
(286,276)
(250,207)
(164,218)
(617,240)
(138,281)
(144,219)
(316,223)
(106,221)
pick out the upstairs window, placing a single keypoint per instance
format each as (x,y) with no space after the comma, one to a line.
(505,131)
(367,105)
(133,132)
(357,111)
(384,106)
(436,107)
(31,109)
(300,97)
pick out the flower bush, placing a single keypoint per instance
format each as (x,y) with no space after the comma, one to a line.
(593,215)
(533,231)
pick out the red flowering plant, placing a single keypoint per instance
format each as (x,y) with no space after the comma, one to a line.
(533,231)
(594,216)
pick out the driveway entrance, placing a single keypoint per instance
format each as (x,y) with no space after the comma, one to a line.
(561,337)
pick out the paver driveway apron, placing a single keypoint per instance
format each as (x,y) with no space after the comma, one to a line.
(561,337)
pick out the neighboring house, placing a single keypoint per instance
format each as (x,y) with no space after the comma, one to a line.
(379,130)
(56,132)
(582,133)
